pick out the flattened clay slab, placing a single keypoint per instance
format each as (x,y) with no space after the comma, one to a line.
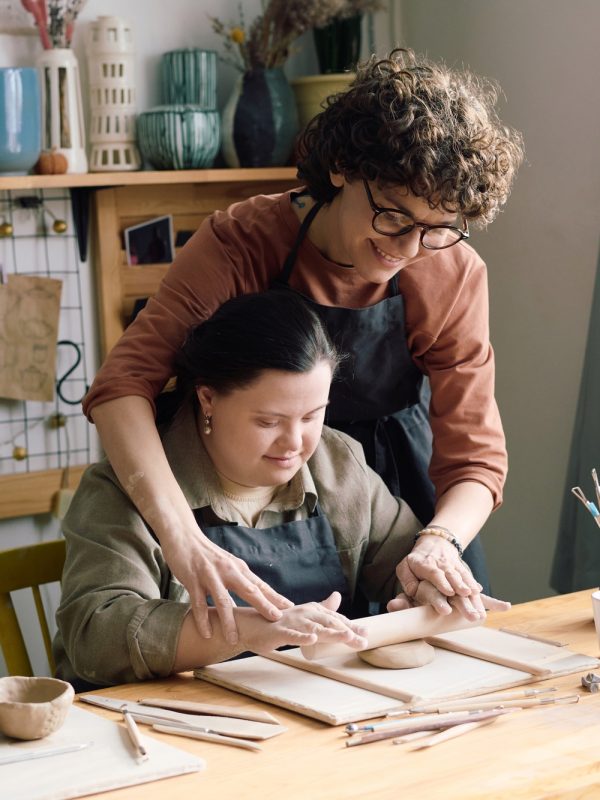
(405,655)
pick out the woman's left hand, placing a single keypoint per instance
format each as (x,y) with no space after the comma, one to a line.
(437,561)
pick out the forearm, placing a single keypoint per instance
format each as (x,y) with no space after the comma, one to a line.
(130,439)
(463,510)
(195,651)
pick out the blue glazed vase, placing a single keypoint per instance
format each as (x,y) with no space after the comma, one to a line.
(179,137)
(260,120)
(20,119)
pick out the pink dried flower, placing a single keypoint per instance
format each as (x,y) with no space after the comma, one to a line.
(55,20)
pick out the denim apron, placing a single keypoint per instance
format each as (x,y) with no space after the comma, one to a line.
(298,559)
(380,397)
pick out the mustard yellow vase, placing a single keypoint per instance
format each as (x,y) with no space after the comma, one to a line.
(311,92)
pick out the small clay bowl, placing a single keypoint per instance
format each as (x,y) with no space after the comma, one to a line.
(31,708)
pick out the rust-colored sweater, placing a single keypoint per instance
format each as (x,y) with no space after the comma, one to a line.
(243,249)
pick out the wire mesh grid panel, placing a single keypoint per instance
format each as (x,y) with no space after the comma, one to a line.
(37,238)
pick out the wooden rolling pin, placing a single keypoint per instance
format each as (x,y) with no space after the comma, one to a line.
(395,627)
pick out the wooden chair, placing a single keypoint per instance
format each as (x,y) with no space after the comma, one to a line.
(21,568)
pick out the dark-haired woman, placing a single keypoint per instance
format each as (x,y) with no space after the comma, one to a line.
(394,172)
(265,480)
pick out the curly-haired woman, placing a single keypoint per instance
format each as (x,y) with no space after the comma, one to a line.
(393,171)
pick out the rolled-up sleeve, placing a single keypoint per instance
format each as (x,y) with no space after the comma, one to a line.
(121,611)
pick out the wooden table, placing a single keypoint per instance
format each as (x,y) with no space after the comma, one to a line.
(551,752)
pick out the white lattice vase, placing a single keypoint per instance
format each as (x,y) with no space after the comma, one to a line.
(111,70)
(63,128)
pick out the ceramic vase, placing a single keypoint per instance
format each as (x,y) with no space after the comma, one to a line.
(62,112)
(260,120)
(111,75)
(338,44)
(20,134)
(311,92)
(179,137)
(189,77)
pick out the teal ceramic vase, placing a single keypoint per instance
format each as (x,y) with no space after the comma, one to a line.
(20,119)
(189,77)
(179,137)
(260,120)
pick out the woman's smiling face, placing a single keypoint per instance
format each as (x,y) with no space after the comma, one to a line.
(345,233)
(263,433)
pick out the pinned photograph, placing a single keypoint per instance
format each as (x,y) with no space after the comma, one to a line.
(150,242)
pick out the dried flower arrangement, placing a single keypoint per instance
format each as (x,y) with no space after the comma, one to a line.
(267,42)
(55,20)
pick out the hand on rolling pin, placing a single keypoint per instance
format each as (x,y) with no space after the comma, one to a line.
(304,624)
(437,561)
(472,607)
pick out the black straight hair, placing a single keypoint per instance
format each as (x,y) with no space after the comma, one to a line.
(273,330)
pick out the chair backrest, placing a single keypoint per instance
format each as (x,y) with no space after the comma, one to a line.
(21,568)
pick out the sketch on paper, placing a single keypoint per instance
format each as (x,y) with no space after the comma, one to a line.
(29,315)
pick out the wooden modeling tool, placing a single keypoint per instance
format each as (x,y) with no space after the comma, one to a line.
(448,705)
(134,734)
(207,736)
(452,733)
(419,725)
(211,710)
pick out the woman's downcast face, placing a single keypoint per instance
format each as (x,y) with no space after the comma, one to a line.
(262,434)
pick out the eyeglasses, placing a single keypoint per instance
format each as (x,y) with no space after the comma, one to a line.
(392,222)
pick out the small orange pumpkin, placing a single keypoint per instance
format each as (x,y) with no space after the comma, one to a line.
(51,162)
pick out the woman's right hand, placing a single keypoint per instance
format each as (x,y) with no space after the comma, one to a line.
(207,570)
(304,624)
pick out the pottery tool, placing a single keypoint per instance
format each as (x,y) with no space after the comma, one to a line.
(211,710)
(395,627)
(447,705)
(591,682)
(596,485)
(238,728)
(469,705)
(411,737)
(452,733)
(441,720)
(134,733)
(533,637)
(207,736)
(46,752)
(418,725)
(591,507)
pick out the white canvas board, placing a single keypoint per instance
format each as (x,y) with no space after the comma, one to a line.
(109,762)
(312,695)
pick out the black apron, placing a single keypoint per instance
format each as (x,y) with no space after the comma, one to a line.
(384,407)
(298,559)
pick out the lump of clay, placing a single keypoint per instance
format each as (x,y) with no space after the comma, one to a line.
(405,655)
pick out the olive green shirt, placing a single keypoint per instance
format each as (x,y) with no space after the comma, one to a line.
(121,609)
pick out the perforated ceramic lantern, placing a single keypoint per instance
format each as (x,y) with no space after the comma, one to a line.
(111,69)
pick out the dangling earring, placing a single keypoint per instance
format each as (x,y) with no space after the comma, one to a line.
(207,424)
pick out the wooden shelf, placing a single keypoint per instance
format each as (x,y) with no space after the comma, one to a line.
(91,180)
(32,492)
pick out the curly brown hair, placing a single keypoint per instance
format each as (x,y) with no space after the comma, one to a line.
(408,121)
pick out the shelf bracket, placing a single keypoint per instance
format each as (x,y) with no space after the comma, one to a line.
(80,206)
